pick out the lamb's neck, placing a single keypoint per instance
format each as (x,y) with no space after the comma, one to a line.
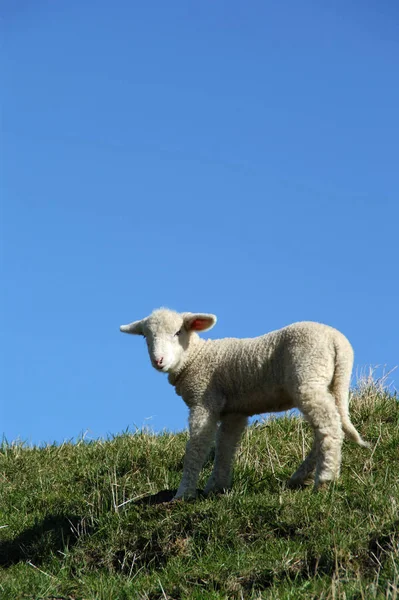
(195,347)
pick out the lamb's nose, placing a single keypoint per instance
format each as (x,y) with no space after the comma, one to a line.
(159,361)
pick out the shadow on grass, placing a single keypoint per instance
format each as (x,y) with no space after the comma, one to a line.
(163,497)
(52,534)
(383,543)
(380,548)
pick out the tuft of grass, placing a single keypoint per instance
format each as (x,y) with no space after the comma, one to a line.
(87,521)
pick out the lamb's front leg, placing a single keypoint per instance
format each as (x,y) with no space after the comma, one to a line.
(228,436)
(202,426)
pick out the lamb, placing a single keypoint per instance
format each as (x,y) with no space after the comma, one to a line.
(305,365)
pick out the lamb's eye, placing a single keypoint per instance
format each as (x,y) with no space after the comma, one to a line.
(178,333)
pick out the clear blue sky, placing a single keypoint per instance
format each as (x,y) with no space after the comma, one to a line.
(232,157)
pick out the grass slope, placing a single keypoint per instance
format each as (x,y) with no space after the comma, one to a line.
(81,520)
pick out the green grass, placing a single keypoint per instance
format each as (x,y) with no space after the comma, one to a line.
(77,522)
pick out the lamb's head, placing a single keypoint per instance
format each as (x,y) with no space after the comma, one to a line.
(168,335)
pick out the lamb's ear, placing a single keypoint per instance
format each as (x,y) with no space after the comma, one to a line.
(136,327)
(199,321)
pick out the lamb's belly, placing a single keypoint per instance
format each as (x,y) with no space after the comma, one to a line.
(257,402)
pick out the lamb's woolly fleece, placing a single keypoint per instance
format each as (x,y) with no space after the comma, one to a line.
(305,365)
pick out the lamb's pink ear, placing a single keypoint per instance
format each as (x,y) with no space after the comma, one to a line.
(136,327)
(199,321)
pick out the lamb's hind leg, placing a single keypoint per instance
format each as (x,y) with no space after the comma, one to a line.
(304,475)
(319,409)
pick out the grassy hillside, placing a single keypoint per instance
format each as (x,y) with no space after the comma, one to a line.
(85,520)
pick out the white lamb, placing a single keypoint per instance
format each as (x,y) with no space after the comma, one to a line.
(306,365)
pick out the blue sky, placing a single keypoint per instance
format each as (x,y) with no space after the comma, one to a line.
(226,157)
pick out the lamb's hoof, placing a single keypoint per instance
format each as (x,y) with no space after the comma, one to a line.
(185,498)
(188,496)
(321,486)
(215,488)
(215,492)
(294,484)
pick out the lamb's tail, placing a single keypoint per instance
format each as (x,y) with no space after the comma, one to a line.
(340,390)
